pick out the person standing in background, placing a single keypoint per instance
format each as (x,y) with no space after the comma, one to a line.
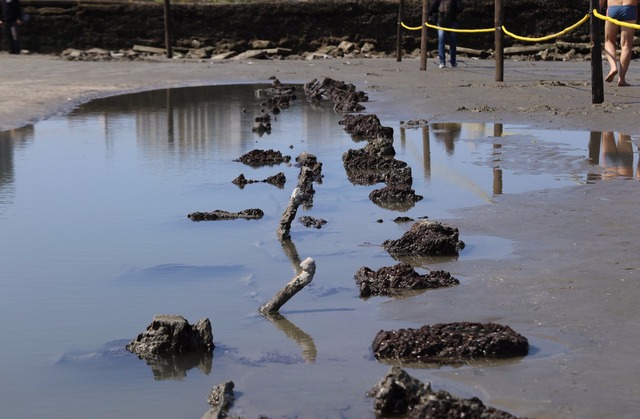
(11,20)
(445,14)
(624,11)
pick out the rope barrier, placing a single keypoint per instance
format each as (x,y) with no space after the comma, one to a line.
(429,25)
(521,38)
(615,21)
(546,38)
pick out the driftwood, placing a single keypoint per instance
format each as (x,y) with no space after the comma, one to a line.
(150,50)
(528,49)
(475,52)
(300,281)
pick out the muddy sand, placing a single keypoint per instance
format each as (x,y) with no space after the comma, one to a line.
(573,287)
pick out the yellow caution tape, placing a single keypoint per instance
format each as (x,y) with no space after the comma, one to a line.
(617,22)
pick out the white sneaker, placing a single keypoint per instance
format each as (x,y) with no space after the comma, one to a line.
(441,66)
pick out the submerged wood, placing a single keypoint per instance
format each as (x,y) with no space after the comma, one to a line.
(300,281)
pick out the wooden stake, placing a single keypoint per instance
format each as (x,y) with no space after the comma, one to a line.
(292,288)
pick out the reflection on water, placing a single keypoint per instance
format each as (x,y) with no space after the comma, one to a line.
(163,367)
(96,240)
(613,155)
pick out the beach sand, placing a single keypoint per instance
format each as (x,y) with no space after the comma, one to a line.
(575,278)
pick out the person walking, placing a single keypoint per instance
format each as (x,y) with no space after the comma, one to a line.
(445,14)
(624,11)
(11,20)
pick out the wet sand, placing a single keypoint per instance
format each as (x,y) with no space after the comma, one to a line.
(572,287)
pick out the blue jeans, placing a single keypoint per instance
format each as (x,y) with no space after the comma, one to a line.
(451,39)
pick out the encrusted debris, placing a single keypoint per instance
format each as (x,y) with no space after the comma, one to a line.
(426,238)
(308,221)
(393,280)
(257,158)
(221,398)
(215,215)
(365,126)
(445,343)
(344,96)
(172,334)
(399,394)
(278,180)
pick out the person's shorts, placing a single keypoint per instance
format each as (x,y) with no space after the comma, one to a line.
(623,13)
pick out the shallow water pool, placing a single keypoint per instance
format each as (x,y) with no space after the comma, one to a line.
(96,241)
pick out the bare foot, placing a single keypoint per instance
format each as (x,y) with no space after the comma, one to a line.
(610,76)
(623,83)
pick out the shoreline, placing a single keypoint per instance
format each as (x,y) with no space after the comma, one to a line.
(548,95)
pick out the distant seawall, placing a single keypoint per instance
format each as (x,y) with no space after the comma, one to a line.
(299,25)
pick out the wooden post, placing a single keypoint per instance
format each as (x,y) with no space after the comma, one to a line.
(423,38)
(597,82)
(399,34)
(167,28)
(499,37)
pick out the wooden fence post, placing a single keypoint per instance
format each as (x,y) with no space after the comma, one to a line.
(597,83)
(399,34)
(423,38)
(167,28)
(499,38)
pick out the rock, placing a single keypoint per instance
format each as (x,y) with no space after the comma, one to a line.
(446,343)
(426,238)
(346,47)
(400,395)
(393,280)
(367,47)
(172,334)
(261,44)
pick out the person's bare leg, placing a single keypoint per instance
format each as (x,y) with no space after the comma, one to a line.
(626,43)
(610,35)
